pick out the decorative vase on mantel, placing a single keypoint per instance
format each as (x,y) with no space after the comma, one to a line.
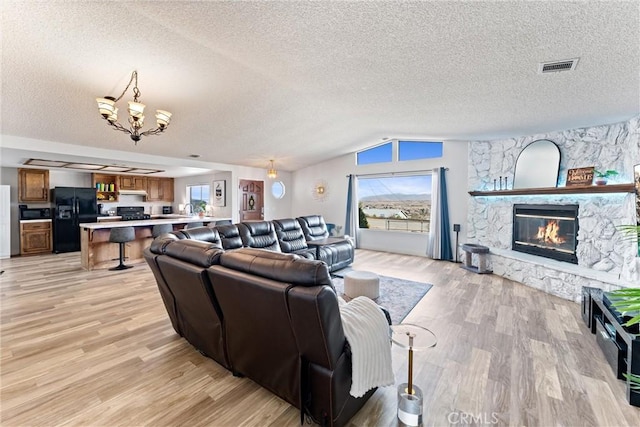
(601,178)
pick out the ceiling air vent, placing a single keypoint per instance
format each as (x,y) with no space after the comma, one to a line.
(557,66)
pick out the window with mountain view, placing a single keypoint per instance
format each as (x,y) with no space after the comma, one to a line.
(198,196)
(395,203)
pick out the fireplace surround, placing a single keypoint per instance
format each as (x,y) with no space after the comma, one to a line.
(550,231)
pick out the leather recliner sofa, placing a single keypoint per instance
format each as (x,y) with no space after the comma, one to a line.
(270,316)
(286,235)
(340,254)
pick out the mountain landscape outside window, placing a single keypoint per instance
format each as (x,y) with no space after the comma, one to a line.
(396,203)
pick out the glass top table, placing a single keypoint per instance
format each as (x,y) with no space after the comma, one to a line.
(413,338)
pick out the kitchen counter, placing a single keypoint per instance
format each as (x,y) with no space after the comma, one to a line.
(104,223)
(97,252)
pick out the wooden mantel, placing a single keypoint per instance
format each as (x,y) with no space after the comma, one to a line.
(589,189)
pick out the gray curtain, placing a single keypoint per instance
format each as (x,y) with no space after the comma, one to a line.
(439,246)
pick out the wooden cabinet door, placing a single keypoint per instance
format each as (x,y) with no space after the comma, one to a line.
(133,182)
(159,189)
(154,190)
(35,238)
(140,183)
(167,189)
(33,185)
(127,182)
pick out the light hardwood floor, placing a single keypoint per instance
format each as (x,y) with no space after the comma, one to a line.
(97,349)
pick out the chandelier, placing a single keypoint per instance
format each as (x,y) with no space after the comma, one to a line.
(109,112)
(272,173)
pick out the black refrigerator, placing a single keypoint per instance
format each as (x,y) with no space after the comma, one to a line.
(72,206)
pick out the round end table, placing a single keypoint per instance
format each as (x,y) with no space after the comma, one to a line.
(413,338)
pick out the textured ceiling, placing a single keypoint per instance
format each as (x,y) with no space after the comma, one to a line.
(306,81)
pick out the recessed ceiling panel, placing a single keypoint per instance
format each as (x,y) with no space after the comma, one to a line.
(46,163)
(84,166)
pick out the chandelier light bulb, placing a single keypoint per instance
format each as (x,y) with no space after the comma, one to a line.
(271,172)
(163,118)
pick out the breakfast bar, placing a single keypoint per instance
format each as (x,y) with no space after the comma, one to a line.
(97,252)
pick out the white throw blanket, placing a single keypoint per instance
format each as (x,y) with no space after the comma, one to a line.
(367,331)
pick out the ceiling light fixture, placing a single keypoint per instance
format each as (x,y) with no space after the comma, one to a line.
(107,107)
(272,173)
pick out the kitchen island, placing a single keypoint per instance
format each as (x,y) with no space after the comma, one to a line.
(97,252)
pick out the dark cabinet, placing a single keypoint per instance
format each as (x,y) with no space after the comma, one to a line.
(619,344)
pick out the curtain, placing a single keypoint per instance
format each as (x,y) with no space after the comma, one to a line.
(439,246)
(351,223)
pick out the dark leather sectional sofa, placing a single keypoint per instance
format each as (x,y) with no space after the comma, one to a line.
(289,235)
(264,314)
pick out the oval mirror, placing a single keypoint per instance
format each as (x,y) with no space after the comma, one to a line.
(277,189)
(538,165)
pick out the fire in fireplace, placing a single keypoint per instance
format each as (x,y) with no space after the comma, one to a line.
(550,231)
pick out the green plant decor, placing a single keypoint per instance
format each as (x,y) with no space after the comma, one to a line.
(605,174)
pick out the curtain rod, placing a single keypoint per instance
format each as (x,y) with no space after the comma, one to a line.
(394,173)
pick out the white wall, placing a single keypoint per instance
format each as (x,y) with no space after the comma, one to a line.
(273,208)
(333,208)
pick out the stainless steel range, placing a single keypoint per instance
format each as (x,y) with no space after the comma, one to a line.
(131,213)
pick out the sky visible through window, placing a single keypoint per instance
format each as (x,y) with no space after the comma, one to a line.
(407,150)
(380,154)
(416,150)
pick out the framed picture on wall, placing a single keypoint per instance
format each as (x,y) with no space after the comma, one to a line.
(220,193)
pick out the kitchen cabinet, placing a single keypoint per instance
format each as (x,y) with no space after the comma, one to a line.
(106,187)
(35,237)
(159,189)
(33,185)
(133,182)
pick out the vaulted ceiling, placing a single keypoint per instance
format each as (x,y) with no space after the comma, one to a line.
(301,82)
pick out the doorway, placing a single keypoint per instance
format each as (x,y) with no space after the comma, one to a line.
(251,200)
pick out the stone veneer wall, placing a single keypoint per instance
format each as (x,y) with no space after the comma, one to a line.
(605,259)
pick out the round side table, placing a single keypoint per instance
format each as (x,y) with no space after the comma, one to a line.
(413,338)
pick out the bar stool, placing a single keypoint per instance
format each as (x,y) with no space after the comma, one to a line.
(159,229)
(122,235)
(193,225)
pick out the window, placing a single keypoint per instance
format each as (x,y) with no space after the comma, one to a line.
(400,151)
(379,154)
(416,150)
(278,189)
(198,196)
(395,203)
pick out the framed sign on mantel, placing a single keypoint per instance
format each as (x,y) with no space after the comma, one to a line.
(580,176)
(220,193)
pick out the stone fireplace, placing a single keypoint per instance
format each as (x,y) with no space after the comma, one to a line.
(599,254)
(550,231)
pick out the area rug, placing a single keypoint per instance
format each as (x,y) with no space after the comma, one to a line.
(398,296)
